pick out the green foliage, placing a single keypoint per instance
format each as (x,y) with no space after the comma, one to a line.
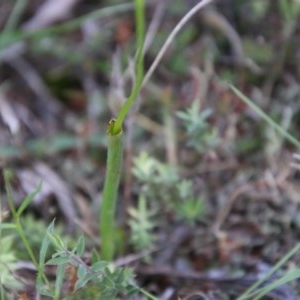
(100,280)
(163,187)
(8,262)
(189,207)
(35,231)
(200,134)
(16,213)
(142,225)
(157,179)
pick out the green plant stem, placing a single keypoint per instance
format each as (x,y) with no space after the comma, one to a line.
(263,115)
(111,185)
(18,224)
(16,216)
(115,146)
(24,239)
(140,32)
(115,135)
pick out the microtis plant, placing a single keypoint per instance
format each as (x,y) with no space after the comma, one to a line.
(115,131)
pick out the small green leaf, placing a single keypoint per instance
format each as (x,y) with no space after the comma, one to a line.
(56,240)
(80,246)
(45,244)
(58,260)
(28,199)
(100,265)
(81,272)
(83,281)
(95,256)
(59,279)
(8,175)
(42,257)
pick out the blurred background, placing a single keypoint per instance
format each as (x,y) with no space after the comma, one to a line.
(215,177)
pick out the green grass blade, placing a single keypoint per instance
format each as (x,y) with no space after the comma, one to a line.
(263,115)
(7,177)
(28,200)
(284,259)
(290,276)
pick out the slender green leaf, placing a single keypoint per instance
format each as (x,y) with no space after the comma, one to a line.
(83,281)
(80,246)
(290,276)
(58,260)
(95,256)
(100,265)
(28,200)
(56,240)
(263,115)
(45,244)
(81,272)
(279,264)
(7,177)
(60,273)
(42,255)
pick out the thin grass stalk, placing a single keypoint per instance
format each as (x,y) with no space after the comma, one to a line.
(250,292)
(18,224)
(16,217)
(264,116)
